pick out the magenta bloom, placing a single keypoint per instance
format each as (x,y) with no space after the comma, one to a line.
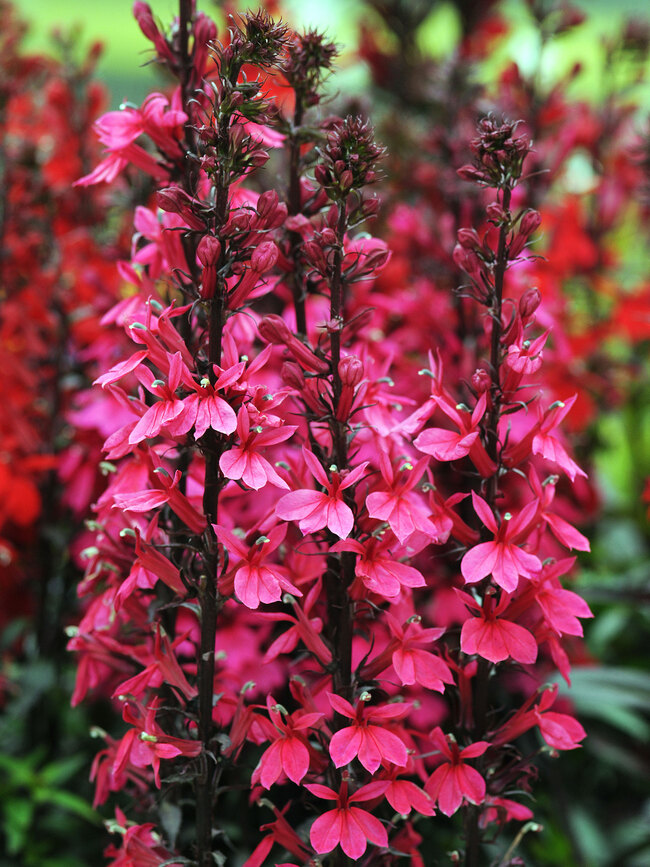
(255,580)
(404,796)
(560,730)
(244,461)
(145,744)
(315,510)
(289,753)
(502,558)
(448,445)
(455,780)
(380,572)
(549,446)
(561,608)
(351,827)
(493,637)
(400,506)
(371,744)
(412,663)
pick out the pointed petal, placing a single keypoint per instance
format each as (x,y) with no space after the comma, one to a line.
(325,833)
(485,513)
(345,745)
(295,759)
(479,562)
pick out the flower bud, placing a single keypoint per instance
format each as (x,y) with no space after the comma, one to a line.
(350,370)
(298,223)
(267,203)
(370,207)
(469,173)
(314,254)
(469,239)
(292,375)
(208,250)
(264,257)
(529,302)
(495,213)
(144,16)
(467,261)
(346,180)
(205,30)
(322,176)
(481,381)
(376,260)
(176,201)
(530,222)
(274,330)
(259,157)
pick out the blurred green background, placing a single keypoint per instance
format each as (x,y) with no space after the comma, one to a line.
(124,66)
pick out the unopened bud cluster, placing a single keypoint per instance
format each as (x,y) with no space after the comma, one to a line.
(349,157)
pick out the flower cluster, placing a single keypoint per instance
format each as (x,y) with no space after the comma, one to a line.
(57,279)
(312,575)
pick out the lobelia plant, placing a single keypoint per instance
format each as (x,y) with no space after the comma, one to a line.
(284,526)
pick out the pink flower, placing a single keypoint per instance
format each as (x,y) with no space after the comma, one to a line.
(561,608)
(502,810)
(206,409)
(403,510)
(447,445)
(502,558)
(146,743)
(244,461)
(256,581)
(455,780)
(380,572)
(371,744)
(549,446)
(406,652)
(563,531)
(163,668)
(403,796)
(140,846)
(525,356)
(559,730)
(315,510)
(165,410)
(305,628)
(168,492)
(351,827)
(289,752)
(495,638)
(279,831)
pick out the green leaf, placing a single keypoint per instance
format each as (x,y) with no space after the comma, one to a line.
(617,696)
(61,770)
(69,802)
(18,814)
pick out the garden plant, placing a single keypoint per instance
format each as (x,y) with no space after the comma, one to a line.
(326,377)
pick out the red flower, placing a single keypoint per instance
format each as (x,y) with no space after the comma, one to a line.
(447,445)
(315,510)
(256,581)
(378,570)
(371,744)
(350,826)
(502,558)
(454,780)
(289,752)
(244,461)
(495,638)
(403,509)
